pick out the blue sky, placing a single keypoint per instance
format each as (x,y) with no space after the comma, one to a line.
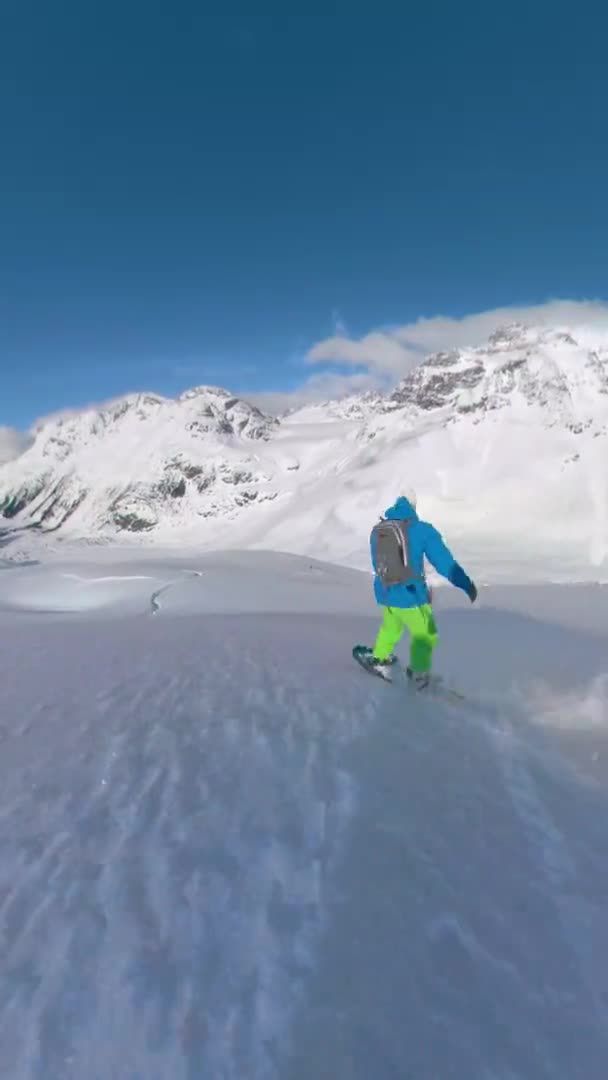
(190,198)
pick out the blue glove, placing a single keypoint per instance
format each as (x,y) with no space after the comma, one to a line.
(463,581)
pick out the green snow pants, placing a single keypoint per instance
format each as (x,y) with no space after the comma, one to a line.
(423,634)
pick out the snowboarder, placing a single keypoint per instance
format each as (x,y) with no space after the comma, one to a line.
(399,544)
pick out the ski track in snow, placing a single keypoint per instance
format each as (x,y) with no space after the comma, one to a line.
(154,599)
(228,853)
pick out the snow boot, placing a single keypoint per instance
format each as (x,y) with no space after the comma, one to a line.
(381,667)
(364,655)
(421,680)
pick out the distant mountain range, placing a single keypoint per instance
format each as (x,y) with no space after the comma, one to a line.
(506,445)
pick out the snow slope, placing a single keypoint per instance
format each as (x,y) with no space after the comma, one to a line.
(506,446)
(228,853)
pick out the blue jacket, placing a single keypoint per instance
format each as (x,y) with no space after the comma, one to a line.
(425,542)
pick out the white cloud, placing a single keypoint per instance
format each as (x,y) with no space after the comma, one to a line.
(397,350)
(324,386)
(12,444)
(380,350)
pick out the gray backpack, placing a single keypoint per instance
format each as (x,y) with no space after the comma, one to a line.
(392,552)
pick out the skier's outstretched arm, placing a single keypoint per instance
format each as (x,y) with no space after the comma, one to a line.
(440,556)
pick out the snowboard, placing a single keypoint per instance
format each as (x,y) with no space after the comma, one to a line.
(362,654)
(436,687)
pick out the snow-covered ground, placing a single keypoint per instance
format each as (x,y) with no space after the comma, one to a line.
(228,854)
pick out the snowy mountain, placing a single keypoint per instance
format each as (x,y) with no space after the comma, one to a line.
(506,445)
(129,465)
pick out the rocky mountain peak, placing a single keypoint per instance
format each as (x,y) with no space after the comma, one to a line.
(533,366)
